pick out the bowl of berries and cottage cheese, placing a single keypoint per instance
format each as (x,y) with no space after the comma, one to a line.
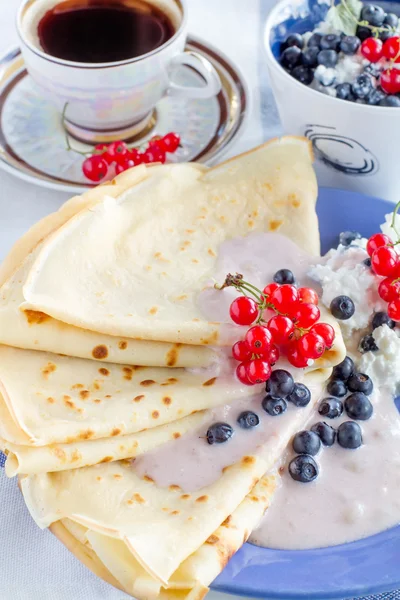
(335,73)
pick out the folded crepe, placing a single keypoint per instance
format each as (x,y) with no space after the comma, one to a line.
(133,264)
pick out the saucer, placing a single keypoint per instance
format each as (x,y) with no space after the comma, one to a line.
(33,146)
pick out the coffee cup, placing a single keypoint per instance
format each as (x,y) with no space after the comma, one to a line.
(106,101)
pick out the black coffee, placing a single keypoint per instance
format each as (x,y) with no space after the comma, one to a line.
(97,31)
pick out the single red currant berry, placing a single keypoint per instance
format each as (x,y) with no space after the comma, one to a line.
(295,357)
(170,142)
(116,152)
(306,315)
(376,241)
(390,81)
(384,261)
(389,289)
(311,345)
(308,295)
(154,154)
(95,168)
(258,370)
(135,156)
(271,355)
(284,297)
(241,351)
(241,373)
(100,148)
(281,328)
(391,49)
(394,309)
(258,339)
(326,331)
(243,310)
(371,48)
(269,289)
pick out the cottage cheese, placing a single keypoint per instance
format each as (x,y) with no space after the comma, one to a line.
(383,366)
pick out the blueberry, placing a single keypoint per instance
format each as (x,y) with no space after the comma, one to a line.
(303,74)
(325,432)
(350,44)
(385,33)
(367,344)
(309,57)
(327,58)
(295,39)
(248,419)
(284,276)
(315,40)
(374,15)
(342,308)
(382,318)
(390,101)
(303,468)
(280,384)
(359,382)
(300,396)
(274,406)
(367,262)
(306,442)
(331,41)
(290,57)
(337,388)
(344,369)
(219,433)
(373,69)
(343,91)
(358,406)
(346,237)
(330,408)
(349,435)
(362,86)
(391,20)
(363,32)
(376,96)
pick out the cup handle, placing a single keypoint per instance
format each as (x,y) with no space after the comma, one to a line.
(203,67)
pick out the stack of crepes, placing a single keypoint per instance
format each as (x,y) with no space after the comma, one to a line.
(106,355)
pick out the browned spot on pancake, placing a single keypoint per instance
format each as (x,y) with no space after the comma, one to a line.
(250,223)
(170,381)
(117,476)
(155,414)
(195,411)
(213,539)
(182,297)
(104,371)
(50,400)
(254,498)
(106,459)
(148,267)
(108,396)
(248,460)
(255,213)
(84,394)
(267,186)
(167,400)
(138,499)
(100,352)
(172,355)
(153,310)
(59,453)
(195,320)
(296,203)
(35,317)
(49,368)
(97,385)
(202,499)
(77,386)
(175,512)
(138,398)
(99,478)
(176,435)
(149,479)
(165,509)
(275,224)
(210,382)
(224,469)
(128,373)
(115,432)
(227,521)
(76,456)
(174,488)
(68,402)
(330,354)
(195,261)
(211,252)
(86,435)
(185,496)
(189,230)
(122,345)
(147,382)
(211,340)
(189,519)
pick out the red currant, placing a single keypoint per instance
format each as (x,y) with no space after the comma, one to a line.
(281,328)
(376,241)
(170,142)
(371,48)
(243,310)
(258,339)
(241,373)
(154,155)
(269,289)
(384,261)
(295,357)
(284,297)
(100,148)
(241,351)
(258,370)
(135,156)
(121,167)
(116,152)
(306,315)
(391,49)
(390,81)
(389,289)
(311,345)
(271,355)
(308,295)
(326,331)
(394,310)
(95,168)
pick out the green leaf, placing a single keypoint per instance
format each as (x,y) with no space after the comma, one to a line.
(345,16)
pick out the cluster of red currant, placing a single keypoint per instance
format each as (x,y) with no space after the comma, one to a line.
(386,262)
(374,49)
(285,319)
(124,157)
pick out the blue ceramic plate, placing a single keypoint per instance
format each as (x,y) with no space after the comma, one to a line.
(368,566)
